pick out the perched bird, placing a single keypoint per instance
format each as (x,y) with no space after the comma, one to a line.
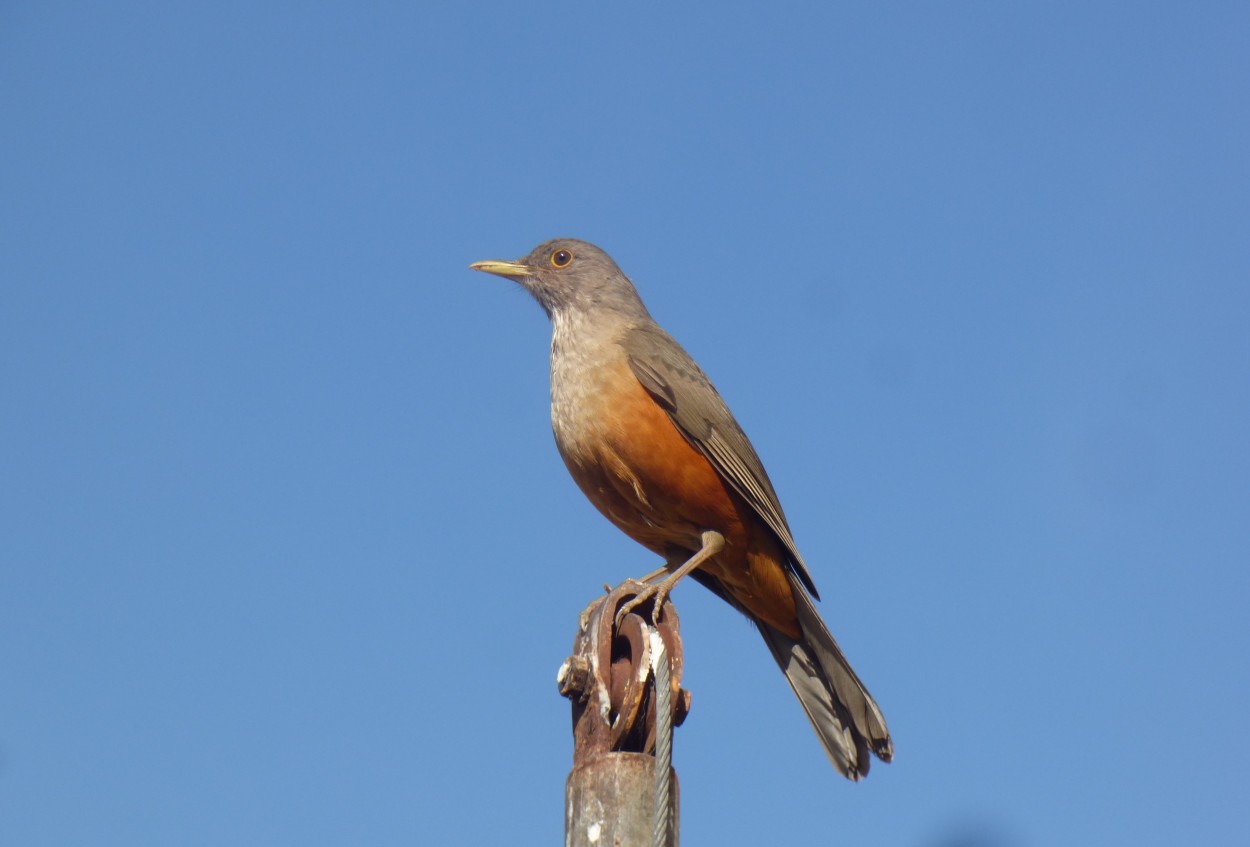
(650,441)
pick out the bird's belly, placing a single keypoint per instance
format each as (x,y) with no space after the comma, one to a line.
(636,467)
(633,463)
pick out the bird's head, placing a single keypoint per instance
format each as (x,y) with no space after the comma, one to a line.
(567,275)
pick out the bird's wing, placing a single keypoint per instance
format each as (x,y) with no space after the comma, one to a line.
(677,383)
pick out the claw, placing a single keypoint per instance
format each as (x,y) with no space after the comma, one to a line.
(657,591)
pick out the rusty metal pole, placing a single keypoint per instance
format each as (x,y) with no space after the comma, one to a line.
(610,795)
(611,800)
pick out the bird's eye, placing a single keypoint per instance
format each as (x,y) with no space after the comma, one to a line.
(561,259)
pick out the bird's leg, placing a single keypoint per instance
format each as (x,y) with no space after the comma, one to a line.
(666,568)
(713,543)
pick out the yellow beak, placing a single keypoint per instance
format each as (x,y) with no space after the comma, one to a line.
(508,269)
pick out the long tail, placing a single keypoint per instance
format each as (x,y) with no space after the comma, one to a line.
(840,708)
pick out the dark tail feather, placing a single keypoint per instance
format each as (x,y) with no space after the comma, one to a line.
(840,708)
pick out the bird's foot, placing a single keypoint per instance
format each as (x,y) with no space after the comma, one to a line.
(657,593)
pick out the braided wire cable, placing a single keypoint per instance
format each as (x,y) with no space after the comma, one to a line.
(663,741)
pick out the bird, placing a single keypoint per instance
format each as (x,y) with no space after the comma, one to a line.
(651,443)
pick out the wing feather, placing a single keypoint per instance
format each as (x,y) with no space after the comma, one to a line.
(680,386)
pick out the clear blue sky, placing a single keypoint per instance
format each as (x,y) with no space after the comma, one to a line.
(287,555)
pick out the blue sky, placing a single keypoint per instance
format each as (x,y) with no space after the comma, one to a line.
(289,556)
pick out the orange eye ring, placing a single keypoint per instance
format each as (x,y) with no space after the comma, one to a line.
(561,259)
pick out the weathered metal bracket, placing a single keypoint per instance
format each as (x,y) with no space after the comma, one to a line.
(608,678)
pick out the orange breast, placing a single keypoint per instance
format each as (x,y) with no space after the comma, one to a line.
(638,469)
